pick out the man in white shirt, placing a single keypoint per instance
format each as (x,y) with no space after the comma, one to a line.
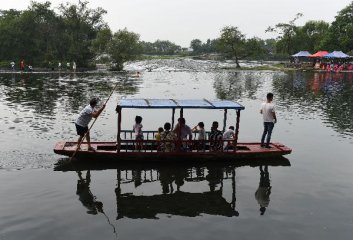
(83,120)
(269,116)
(228,135)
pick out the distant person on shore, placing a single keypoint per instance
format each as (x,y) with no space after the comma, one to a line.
(74,66)
(12,64)
(269,117)
(22,65)
(83,120)
(59,66)
(68,66)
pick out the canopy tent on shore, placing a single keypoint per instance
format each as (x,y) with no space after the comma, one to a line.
(337,54)
(302,54)
(319,54)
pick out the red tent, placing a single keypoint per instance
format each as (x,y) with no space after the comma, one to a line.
(319,54)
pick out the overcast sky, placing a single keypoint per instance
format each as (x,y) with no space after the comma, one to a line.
(180,21)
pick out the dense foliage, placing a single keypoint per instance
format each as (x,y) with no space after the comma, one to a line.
(124,46)
(42,35)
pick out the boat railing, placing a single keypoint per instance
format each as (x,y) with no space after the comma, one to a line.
(147,135)
(177,146)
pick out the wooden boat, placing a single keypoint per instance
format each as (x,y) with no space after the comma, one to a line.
(152,150)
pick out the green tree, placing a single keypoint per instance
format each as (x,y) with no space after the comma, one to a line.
(286,32)
(340,33)
(100,44)
(196,46)
(124,46)
(232,43)
(255,48)
(81,27)
(314,32)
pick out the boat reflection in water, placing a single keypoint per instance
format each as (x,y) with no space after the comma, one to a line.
(170,199)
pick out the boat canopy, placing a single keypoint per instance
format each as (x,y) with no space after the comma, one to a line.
(176,103)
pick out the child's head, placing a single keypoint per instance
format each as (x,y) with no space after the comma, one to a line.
(138,119)
(167,126)
(201,125)
(231,127)
(160,129)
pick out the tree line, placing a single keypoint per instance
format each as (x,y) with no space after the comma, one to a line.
(74,32)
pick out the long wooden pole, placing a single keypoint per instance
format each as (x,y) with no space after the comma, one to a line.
(84,136)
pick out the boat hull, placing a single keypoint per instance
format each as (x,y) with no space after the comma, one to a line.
(106,151)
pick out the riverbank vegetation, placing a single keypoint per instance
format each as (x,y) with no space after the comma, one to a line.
(44,36)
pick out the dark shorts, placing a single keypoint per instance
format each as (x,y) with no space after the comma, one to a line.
(81,130)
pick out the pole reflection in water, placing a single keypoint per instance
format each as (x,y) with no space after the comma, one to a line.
(88,199)
(174,197)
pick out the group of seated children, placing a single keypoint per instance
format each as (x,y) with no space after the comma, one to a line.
(218,141)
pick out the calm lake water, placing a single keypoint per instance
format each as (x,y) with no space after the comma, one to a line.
(308,195)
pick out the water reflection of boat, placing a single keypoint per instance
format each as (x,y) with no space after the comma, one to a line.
(150,149)
(208,183)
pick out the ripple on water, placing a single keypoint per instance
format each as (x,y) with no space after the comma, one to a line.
(18,120)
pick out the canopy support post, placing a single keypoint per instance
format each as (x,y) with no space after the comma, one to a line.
(118,140)
(173,117)
(225,120)
(236,131)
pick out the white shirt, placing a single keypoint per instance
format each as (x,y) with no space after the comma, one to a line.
(229,134)
(267,111)
(201,134)
(85,116)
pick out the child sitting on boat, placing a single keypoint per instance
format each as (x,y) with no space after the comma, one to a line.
(169,137)
(158,138)
(200,129)
(158,134)
(215,138)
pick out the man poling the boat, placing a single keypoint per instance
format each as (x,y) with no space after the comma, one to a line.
(83,120)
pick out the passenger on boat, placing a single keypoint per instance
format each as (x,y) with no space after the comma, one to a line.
(83,120)
(158,134)
(215,138)
(158,138)
(183,132)
(200,129)
(137,128)
(269,117)
(228,135)
(169,137)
